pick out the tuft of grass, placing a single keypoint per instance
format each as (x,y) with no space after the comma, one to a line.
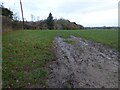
(69,41)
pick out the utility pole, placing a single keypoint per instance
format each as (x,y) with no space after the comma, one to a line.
(22,14)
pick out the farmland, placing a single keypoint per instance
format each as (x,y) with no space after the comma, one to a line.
(25,53)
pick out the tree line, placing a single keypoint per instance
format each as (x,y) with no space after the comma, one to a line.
(10,19)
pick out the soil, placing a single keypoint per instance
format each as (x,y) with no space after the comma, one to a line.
(82,64)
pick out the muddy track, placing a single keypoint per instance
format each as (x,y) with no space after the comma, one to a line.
(82,64)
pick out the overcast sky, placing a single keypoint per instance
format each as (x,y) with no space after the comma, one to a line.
(84,12)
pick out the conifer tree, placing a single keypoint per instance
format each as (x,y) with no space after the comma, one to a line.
(50,22)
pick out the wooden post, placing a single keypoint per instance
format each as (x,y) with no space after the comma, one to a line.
(22,14)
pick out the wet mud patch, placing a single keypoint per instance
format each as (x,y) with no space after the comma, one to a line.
(82,64)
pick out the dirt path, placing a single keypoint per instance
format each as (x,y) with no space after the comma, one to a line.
(82,64)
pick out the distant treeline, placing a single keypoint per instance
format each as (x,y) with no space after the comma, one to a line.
(104,27)
(58,24)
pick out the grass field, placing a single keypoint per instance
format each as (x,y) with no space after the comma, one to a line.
(25,53)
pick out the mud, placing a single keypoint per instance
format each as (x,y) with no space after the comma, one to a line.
(83,64)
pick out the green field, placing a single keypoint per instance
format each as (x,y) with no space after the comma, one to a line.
(25,53)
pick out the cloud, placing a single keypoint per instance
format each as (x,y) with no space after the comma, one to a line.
(101,18)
